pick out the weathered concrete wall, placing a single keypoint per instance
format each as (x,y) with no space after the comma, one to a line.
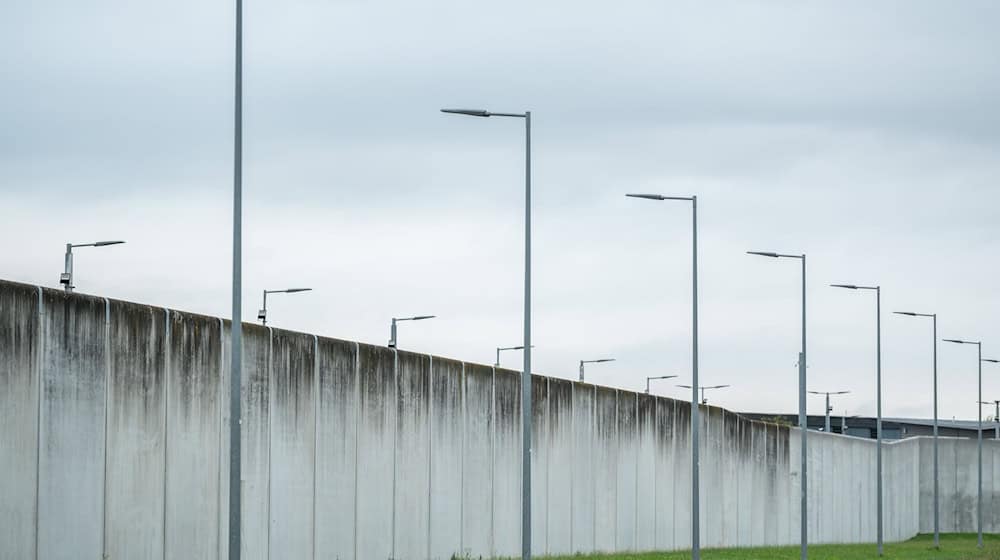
(114,444)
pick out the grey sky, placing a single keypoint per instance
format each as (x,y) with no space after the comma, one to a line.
(864,134)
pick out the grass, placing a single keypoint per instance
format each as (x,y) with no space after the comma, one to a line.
(957,546)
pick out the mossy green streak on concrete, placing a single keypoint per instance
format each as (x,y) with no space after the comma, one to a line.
(953,547)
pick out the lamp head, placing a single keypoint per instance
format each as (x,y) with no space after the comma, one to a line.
(469,112)
(763,254)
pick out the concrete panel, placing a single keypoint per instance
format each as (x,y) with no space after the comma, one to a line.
(758,484)
(773,497)
(136,430)
(412,502)
(646,473)
(336,449)
(627,467)
(293,445)
(478,463)
(729,463)
(192,435)
(377,429)
(20,344)
(447,432)
(255,450)
(507,463)
(71,469)
(540,446)
(745,464)
(583,468)
(673,501)
(605,465)
(560,466)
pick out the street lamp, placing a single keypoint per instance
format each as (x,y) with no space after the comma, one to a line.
(657,377)
(66,278)
(829,409)
(262,314)
(703,388)
(497,364)
(803,418)
(937,538)
(878,390)
(695,497)
(600,361)
(996,417)
(392,329)
(526,372)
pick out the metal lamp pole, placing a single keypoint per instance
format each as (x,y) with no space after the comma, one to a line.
(526,372)
(392,329)
(236,344)
(497,364)
(829,409)
(602,360)
(66,278)
(803,418)
(878,384)
(695,498)
(657,377)
(262,314)
(937,535)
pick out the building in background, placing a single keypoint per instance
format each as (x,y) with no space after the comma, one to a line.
(892,428)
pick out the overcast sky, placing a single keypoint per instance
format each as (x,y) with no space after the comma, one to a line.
(864,134)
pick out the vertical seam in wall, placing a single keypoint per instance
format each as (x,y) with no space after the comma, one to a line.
(220,499)
(107,400)
(316,403)
(635,518)
(166,413)
(493,456)
(430,447)
(572,455)
(614,462)
(395,438)
(593,470)
(461,501)
(548,463)
(655,429)
(40,383)
(357,423)
(270,428)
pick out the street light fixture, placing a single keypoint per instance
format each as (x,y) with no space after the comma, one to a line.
(996,417)
(878,390)
(648,379)
(829,409)
(262,314)
(703,388)
(803,418)
(66,278)
(526,372)
(497,364)
(695,466)
(937,537)
(600,361)
(392,330)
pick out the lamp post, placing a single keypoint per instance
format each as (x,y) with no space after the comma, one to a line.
(648,379)
(878,406)
(829,409)
(526,372)
(703,388)
(392,329)
(236,337)
(933,316)
(497,364)
(262,314)
(600,361)
(66,278)
(996,417)
(803,418)
(695,498)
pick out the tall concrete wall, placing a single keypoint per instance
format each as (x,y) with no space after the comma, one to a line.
(114,445)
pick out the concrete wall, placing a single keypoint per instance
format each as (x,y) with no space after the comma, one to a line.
(114,445)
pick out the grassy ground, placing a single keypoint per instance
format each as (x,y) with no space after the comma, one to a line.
(953,547)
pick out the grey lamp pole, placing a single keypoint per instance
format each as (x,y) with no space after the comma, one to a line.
(236,343)
(937,536)
(695,498)
(392,329)
(703,388)
(803,418)
(979,496)
(829,409)
(878,390)
(66,278)
(506,348)
(657,377)
(602,360)
(262,314)
(526,372)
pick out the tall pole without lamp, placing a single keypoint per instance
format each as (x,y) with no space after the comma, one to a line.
(695,494)
(937,534)
(803,418)
(878,384)
(262,314)
(829,409)
(526,372)
(648,379)
(66,278)
(236,339)
(600,361)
